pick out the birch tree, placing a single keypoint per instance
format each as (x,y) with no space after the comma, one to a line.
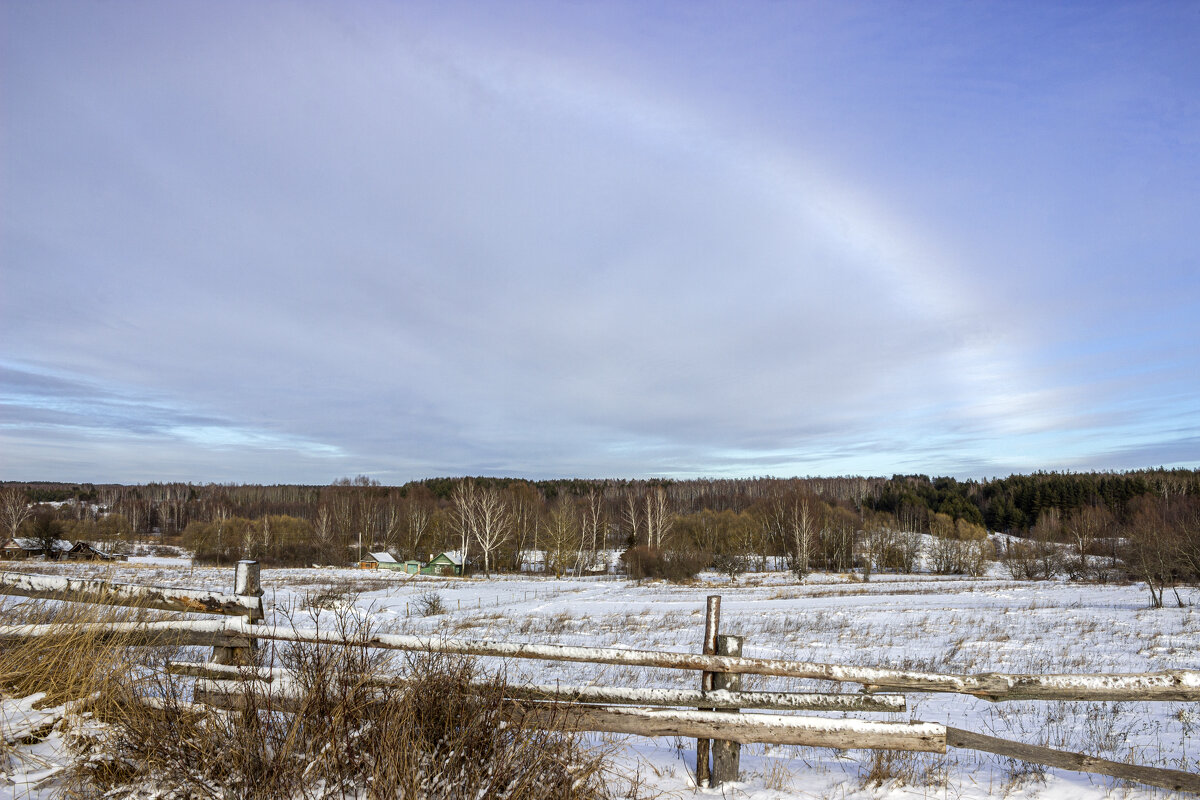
(13,509)
(794,519)
(464,500)
(493,524)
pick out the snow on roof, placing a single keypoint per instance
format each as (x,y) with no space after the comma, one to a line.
(383,558)
(454,556)
(34,544)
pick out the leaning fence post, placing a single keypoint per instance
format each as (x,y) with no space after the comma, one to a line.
(727,755)
(712,622)
(246,583)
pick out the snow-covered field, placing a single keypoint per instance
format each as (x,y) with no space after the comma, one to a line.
(916,622)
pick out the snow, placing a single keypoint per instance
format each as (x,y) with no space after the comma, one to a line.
(918,624)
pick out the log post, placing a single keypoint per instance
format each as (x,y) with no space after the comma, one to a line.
(712,622)
(246,583)
(727,755)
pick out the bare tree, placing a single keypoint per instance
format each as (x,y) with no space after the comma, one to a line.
(562,535)
(631,517)
(369,513)
(1157,541)
(391,521)
(418,521)
(494,524)
(795,519)
(323,528)
(341,504)
(47,530)
(594,525)
(13,509)
(526,505)
(465,503)
(659,518)
(1085,527)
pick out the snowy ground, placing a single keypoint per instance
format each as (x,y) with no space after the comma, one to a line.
(918,622)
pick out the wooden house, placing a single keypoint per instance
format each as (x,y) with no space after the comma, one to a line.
(82,551)
(380,561)
(444,564)
(413,567)
(20,548)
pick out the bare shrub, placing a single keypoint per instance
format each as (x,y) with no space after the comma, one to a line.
(1032,559)
(960,557)
(430,604)
(731,564)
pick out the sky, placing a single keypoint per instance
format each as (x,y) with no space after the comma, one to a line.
(290,242)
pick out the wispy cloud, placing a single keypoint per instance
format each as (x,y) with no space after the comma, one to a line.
(293,242)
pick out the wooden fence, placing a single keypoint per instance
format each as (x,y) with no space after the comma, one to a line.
(712,709)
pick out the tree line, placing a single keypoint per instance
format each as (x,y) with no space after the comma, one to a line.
(1072,523)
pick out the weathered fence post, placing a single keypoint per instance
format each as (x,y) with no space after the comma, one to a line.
(712,622)
(727,755)
(246,583)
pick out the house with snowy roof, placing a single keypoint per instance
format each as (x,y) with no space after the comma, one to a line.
(448,563)
(381,560)
(18,548)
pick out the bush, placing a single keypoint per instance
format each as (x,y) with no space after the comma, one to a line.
(674,565)
(430,604)
(642,562)
(730,564)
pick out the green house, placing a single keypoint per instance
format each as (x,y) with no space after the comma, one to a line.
(444,564)
(413,567)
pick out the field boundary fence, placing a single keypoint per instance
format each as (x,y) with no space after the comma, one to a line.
(710,714)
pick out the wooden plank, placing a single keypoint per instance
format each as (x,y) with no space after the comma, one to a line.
(130,634)
(843,734)
(84,590)
(1174,685)
(741,728)
(716,699)
(685,698)
(1175,780)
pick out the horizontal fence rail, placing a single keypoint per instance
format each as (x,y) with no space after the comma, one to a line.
(180,633)
(99,592)
(1172,685)
(742,728)
(684,698)
(1180,685)
(1173,779)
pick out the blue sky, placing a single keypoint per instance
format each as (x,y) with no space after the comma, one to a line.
(287,242)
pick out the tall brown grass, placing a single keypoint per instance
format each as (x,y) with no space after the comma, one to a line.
(344,728)
(73,661)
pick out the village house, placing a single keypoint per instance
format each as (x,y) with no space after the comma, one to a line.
(83,551)
(20,548)
(444,564)
(380,561)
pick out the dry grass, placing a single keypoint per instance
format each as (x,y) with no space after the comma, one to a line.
(446,732)
(71,663)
